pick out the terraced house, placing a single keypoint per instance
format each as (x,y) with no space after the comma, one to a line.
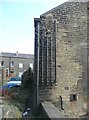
(12,64)
(61,57)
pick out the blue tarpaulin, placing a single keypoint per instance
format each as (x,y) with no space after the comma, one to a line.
(8,86)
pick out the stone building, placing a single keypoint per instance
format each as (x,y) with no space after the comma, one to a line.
(12,64)
(61,57)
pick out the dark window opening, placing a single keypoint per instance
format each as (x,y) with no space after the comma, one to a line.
(59,66)
(73,97)
(11,71)
(66,88)
(2,63)
(7,74)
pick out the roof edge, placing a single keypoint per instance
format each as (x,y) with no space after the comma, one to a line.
(54,8)
(61,5)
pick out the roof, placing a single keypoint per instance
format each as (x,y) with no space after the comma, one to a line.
(63,4)
(55,8)
(78,0)
(16,55)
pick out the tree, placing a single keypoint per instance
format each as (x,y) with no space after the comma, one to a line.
(27,79)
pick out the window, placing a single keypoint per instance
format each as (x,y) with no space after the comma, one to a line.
(2,63)
(11,71)
(20,74)
(59,66)
(20,65)
(73,97)
(31,65)
(11,64)
(66,88)
(7,72)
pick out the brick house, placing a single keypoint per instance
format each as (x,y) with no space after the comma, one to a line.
(12,64)
(61,57)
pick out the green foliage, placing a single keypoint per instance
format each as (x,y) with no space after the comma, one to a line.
(27,79)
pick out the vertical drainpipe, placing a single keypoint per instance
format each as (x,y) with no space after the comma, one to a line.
(9,66)
(47,60)
(2,76)
(38,69)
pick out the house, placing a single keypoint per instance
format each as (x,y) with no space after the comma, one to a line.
(12,64)
(61,57)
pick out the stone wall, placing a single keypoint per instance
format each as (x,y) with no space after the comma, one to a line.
(63,57)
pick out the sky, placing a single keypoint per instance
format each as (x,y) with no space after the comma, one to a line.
(17,23)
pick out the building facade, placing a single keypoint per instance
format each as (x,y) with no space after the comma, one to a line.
(12,64)
(61,57)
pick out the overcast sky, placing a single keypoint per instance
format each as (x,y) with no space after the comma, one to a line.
(17,23)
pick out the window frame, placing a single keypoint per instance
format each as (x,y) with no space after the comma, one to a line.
(12,64)
(20,65)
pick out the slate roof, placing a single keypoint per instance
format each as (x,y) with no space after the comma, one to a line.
(16,55)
